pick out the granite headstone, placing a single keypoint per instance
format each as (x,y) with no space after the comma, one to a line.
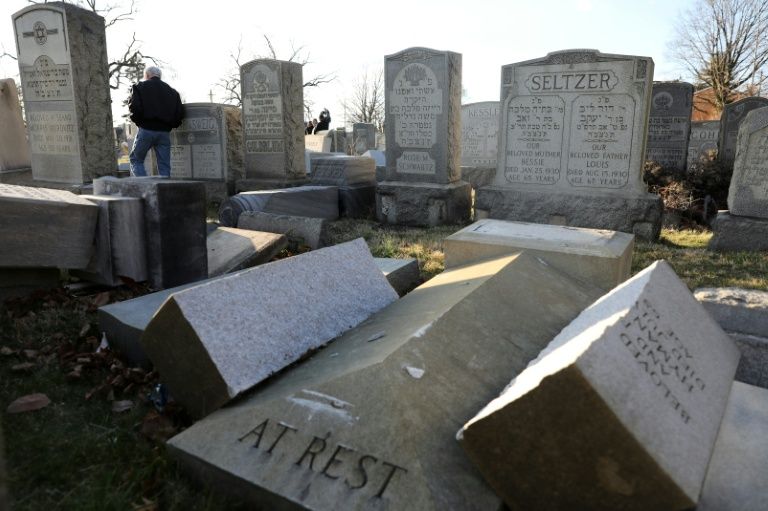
(311,201)
(730,120)
(669,124)
(363,137)
(703,141)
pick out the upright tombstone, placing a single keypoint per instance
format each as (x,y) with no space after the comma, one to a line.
(730,120)
(14,151)
(669,124)
(702,141)
(363,137)
(479,142)
(273,124)
(573,144)
(62,56)
(208,145)
(422,183)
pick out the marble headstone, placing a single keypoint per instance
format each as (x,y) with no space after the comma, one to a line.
(748,193)
(14,151)
(573,145)
(319,142)
(363,137)
(669,124)
(273,123)
(730,121)
(62,55)
(479,134)
(422,181)
(703,140)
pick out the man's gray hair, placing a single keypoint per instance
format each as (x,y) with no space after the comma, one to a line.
(153,71)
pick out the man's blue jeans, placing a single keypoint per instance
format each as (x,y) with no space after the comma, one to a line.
(144,141)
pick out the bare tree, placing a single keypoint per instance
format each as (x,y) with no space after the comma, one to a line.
(723,44)
(366,103)
(230,84)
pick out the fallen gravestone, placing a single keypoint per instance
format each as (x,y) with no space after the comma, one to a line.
(573,148)
(62,56)
(702,142)
(174,226)
(669,124)
(229,334)
(300,230)
(730,124)
(620,411)
(600,257)
(231,249)
(14,151)
(369,421)
(310,201)
(43,228)
(403,274)
(355,177)
(736,475)
(310,156)
(121,248)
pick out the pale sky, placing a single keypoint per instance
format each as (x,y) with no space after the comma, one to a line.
(345,38)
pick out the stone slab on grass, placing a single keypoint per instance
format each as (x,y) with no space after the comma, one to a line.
(620,411)
(214,341)
(731,233)
(309,201)
(231,249)
(736,309)
(402,274)
(369,421)
(300,230)
(753,366)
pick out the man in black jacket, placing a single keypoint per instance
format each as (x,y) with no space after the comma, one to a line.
(156,109)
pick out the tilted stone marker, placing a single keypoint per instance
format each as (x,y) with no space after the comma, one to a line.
(62,56)
(620,411)
(703,141)
(174,226)
(730,121)
(422,183)
(355,176)
(369,421)
(573,144)
(121,247)
(43,228)
(232,249)
(14,151)
(273,123)
(222,347)
(363,137)
(669,124)
(300,230)
(402,274)
(311,201)
(208,145)
(600,257)
(479,142)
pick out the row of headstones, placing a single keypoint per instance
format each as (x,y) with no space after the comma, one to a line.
(624,400)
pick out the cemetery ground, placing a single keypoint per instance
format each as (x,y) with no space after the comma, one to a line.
(99,442)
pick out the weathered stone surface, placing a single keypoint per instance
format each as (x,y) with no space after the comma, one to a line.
(620,411)
(121,247)
(748,192)
(300,230)
(343,171)
(753,366)
(40,228)
(479,135)
(14,151)
(273,122)
(733,233)
(310,156)
(319,142)
(17,282)
(423,204)
(231,249)
(403,274)
(232,333)
(311,201)
(669,124)
(736,309)
(602,258)
(639,215)
(736,476)
(369,422)
(363,137)
(588,147)
(478,176)
(730,121)
(62,56)
(703,140)
(174,226)
(208,145)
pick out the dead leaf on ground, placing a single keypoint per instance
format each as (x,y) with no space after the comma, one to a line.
(84,330)
(30,353)
(157,427)
(26,366)
(100,299)
(6,351)
(147,505)
(28,403)
(122,406)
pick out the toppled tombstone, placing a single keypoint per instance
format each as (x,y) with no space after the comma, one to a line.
(355,176)
(214,341)
(599,256)
(45,228)
(309,201)
(300,230)
(402,274)
(231,249)
(620,411)
(369,421)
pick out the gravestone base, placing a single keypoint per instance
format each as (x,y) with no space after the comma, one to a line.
(636,214)
(357,201)
(423,204)
(732,233)
(478,176)
(251,184)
